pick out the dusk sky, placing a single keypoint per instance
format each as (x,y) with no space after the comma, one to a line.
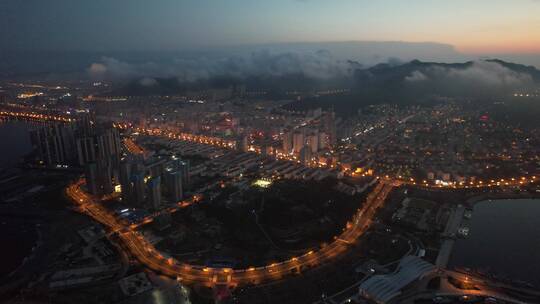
(477,27)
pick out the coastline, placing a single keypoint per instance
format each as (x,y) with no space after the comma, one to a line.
(457,217)
(24,238)
(501,196)
(487,253)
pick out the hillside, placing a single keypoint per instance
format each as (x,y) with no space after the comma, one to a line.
(425,82)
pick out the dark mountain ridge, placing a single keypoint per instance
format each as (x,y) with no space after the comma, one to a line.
(418,82)
(406,83)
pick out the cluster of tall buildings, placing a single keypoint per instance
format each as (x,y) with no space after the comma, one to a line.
(149,184)
(305,142)
(75,144)
(54,144)
(108,167)
(143,183)
(304,139)
(99,152)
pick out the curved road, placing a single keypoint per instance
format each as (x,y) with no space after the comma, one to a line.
(147,255)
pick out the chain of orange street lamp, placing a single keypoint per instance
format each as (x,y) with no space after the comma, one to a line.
(214,141)
(36,116)
(171,267)
(492,183)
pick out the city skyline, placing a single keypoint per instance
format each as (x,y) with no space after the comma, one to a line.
(261,152)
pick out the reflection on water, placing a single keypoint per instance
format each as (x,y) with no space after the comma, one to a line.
(17,237)
(504,239)
(15,142)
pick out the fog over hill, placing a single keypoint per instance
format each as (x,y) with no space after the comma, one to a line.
(416,79)
(392,82)
(374,72)
(419,82)
(319,60)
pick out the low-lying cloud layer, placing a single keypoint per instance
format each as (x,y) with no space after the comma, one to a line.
(485,73)
(310,70)
(318,65)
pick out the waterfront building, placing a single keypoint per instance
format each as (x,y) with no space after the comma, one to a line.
(154,193)
(53,144)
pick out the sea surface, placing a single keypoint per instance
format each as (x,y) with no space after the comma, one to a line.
(18,236)
(504,239)
(15,141)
